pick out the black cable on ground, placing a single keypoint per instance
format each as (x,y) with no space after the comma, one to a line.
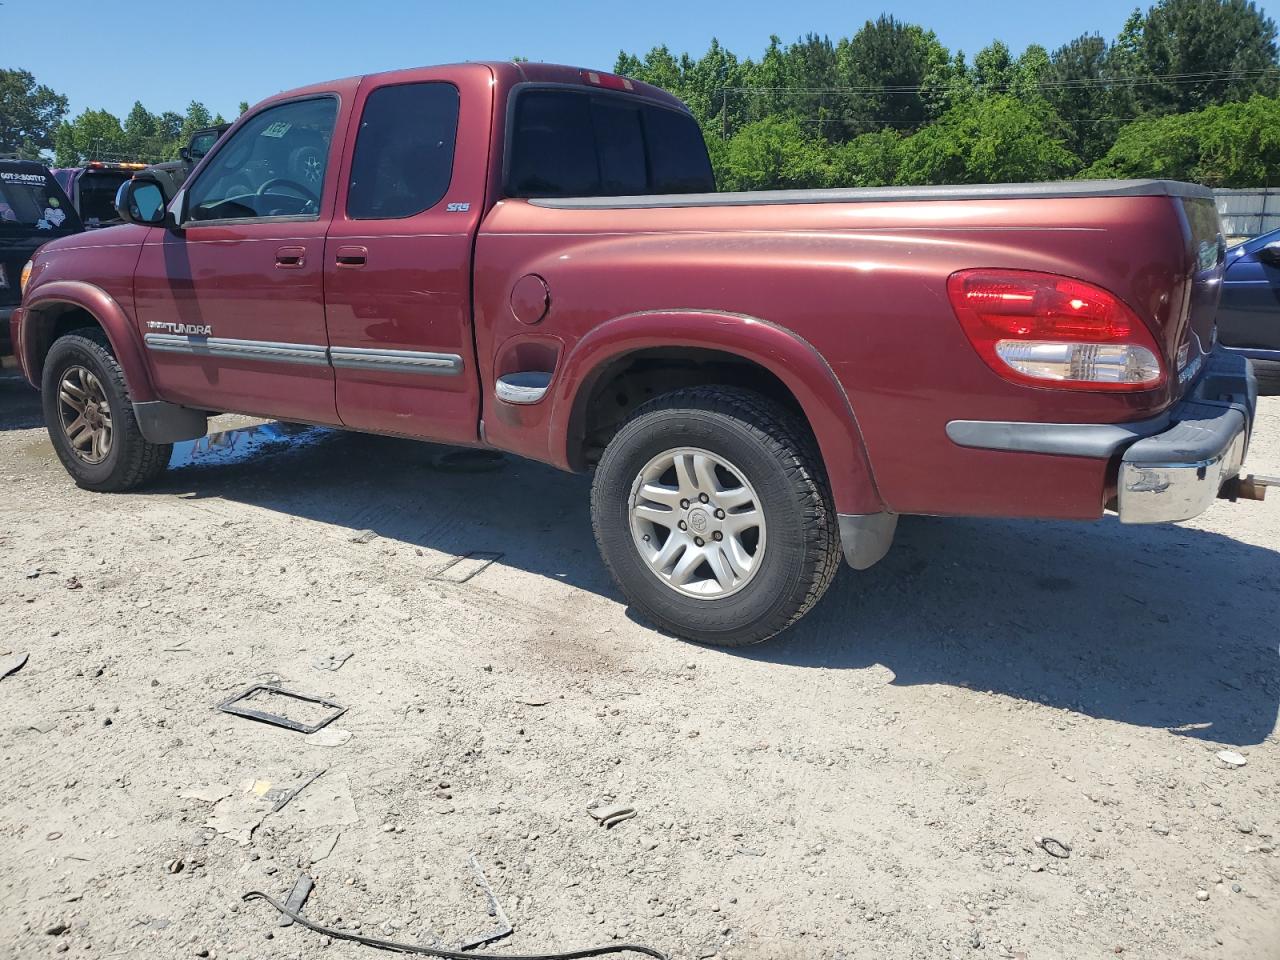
(453,954)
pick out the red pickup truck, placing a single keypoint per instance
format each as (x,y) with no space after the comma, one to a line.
(534,258)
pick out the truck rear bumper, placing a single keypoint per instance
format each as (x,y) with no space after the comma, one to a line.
(1169,467)
(1177,474)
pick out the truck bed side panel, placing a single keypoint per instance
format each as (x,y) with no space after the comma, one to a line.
(865,284)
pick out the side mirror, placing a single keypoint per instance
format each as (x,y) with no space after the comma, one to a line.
(141,201)
(185,154)
(1270,254)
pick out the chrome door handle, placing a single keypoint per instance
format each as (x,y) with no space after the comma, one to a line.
(352,256)
(291,257)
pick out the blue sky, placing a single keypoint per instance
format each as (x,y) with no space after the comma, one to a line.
(225,51)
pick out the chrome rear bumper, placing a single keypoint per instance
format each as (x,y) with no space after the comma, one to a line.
(1176,474)
(1153,489)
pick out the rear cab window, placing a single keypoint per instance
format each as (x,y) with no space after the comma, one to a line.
(568,142)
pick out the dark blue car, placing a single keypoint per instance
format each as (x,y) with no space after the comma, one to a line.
(1249,317)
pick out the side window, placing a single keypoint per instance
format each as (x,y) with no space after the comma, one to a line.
(273,166)
(404,151)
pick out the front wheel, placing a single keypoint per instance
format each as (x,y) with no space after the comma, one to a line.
(711,510)
(89,415)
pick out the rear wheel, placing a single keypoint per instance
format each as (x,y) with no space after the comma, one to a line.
(712,512)
(89,414)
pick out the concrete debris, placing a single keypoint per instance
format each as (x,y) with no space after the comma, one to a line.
(328,737)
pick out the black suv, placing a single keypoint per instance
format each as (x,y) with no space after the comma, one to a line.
(33,209)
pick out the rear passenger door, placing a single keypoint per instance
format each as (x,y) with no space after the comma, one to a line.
(397,257)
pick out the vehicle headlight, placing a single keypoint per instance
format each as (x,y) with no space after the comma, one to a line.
(26,275)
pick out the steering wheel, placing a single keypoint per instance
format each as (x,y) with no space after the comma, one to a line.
(291,184)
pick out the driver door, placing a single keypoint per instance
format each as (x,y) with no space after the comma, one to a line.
(231,306)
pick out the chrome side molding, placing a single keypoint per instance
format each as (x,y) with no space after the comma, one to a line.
(227,349)
(349,358)
(396,361)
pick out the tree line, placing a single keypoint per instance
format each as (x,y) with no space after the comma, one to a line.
(1188,90)
(34,125)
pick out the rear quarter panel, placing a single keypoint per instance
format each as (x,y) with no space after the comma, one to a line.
(865,285)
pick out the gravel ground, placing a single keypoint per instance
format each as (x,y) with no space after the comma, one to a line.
(870,785)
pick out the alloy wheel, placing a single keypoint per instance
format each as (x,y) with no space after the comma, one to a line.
(697,522)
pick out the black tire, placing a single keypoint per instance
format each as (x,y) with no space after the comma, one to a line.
(132,461)
(777,455)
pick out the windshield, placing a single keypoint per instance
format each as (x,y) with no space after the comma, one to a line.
(33,202)
(98,196)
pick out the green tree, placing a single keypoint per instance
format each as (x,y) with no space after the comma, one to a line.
(93,135)
(1076,86)
(29,114)
(1226,145)
(888,62)
(774,153)
(197,118)
(1184,40)
(140,132)
(997,139)
(871,160)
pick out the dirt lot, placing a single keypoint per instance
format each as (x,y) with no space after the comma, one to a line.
(871,785)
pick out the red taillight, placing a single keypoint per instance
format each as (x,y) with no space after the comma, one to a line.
(1047,330)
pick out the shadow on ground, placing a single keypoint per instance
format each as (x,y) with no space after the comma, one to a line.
(19,403)
(1165,626)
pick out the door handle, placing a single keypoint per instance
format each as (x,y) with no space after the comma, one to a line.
(352,256)
(291,257)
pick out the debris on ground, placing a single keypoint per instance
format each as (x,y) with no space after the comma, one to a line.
(331,661)
(11,663)
(328,737)
(612,814)
(297,897)
(209,794)
(364,536)
(419,950)
(504,927)
(461,569)
(282,795)
(241,705)
(321,849)
(1231,758)
(1054,848)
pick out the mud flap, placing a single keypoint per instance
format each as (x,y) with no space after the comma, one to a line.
(162,422)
